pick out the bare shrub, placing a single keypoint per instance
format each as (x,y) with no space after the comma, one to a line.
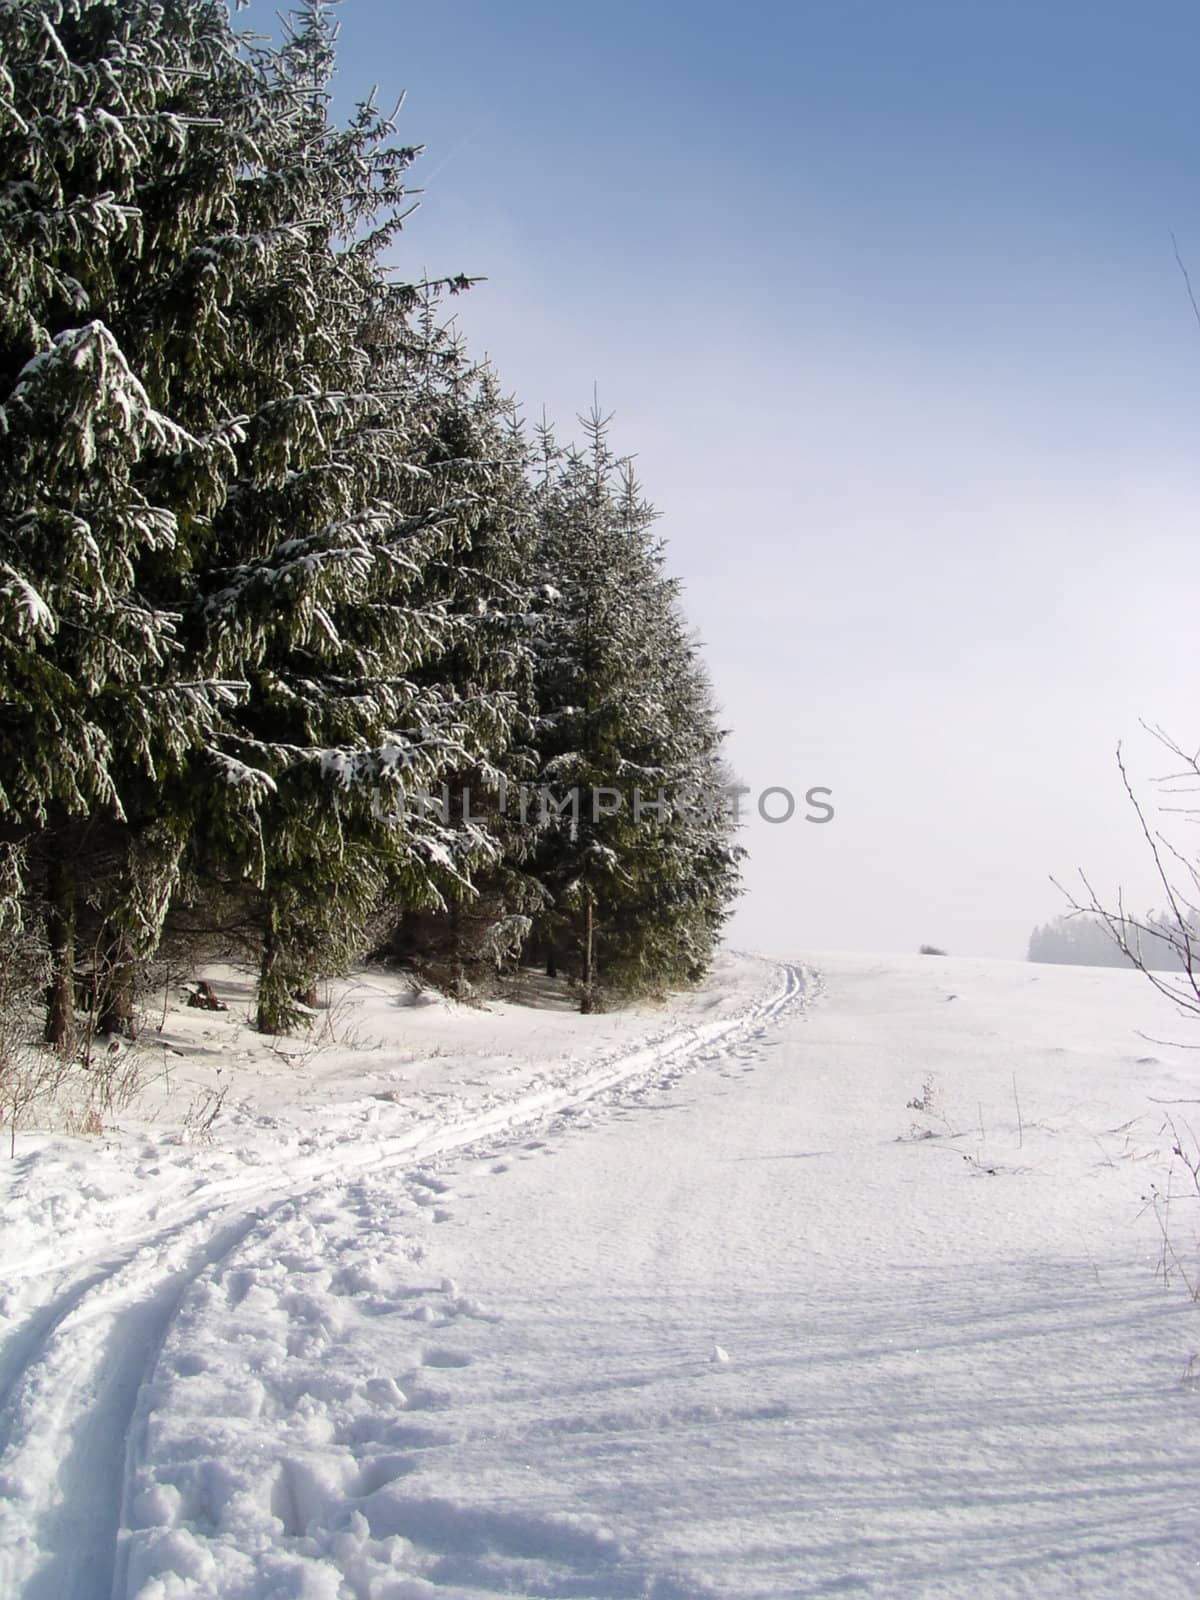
(929,1103)
(1165,948)
(30,1074)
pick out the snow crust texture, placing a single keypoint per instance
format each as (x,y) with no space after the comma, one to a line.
(805,1285)
(212,1355)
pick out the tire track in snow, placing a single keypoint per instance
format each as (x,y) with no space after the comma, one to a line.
(73,1408)
(71,1376)
(360,1150)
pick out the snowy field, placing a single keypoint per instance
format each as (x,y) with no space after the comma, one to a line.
(685,1302)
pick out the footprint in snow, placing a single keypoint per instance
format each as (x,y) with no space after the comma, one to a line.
(427,1181)
(442,1356)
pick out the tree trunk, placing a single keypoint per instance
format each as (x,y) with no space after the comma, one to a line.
(585,1001)
(60,931)
(278,1000)
(117,986)
(268,1019)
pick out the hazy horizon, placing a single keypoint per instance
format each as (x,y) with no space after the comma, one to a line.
(886,305)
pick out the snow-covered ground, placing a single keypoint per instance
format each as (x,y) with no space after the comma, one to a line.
(682,1302)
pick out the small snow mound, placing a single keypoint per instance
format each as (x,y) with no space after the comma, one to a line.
(385,1391)
(719,1357)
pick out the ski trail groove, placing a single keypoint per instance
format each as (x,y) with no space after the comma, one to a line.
(72,1375)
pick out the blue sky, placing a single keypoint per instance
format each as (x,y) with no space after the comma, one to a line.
(884,300)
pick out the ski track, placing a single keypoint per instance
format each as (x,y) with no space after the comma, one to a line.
(73,1373)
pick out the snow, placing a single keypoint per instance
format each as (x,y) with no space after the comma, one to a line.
(112,386)
(829,1278)
(30,613)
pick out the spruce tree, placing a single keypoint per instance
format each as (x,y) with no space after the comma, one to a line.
(268,545)
(125,131)
(361,572)
(635,853)
(476,452)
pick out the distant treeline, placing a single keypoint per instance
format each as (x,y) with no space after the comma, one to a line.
(1079,940)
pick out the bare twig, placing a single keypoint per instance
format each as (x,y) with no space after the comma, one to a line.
(1186,279)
